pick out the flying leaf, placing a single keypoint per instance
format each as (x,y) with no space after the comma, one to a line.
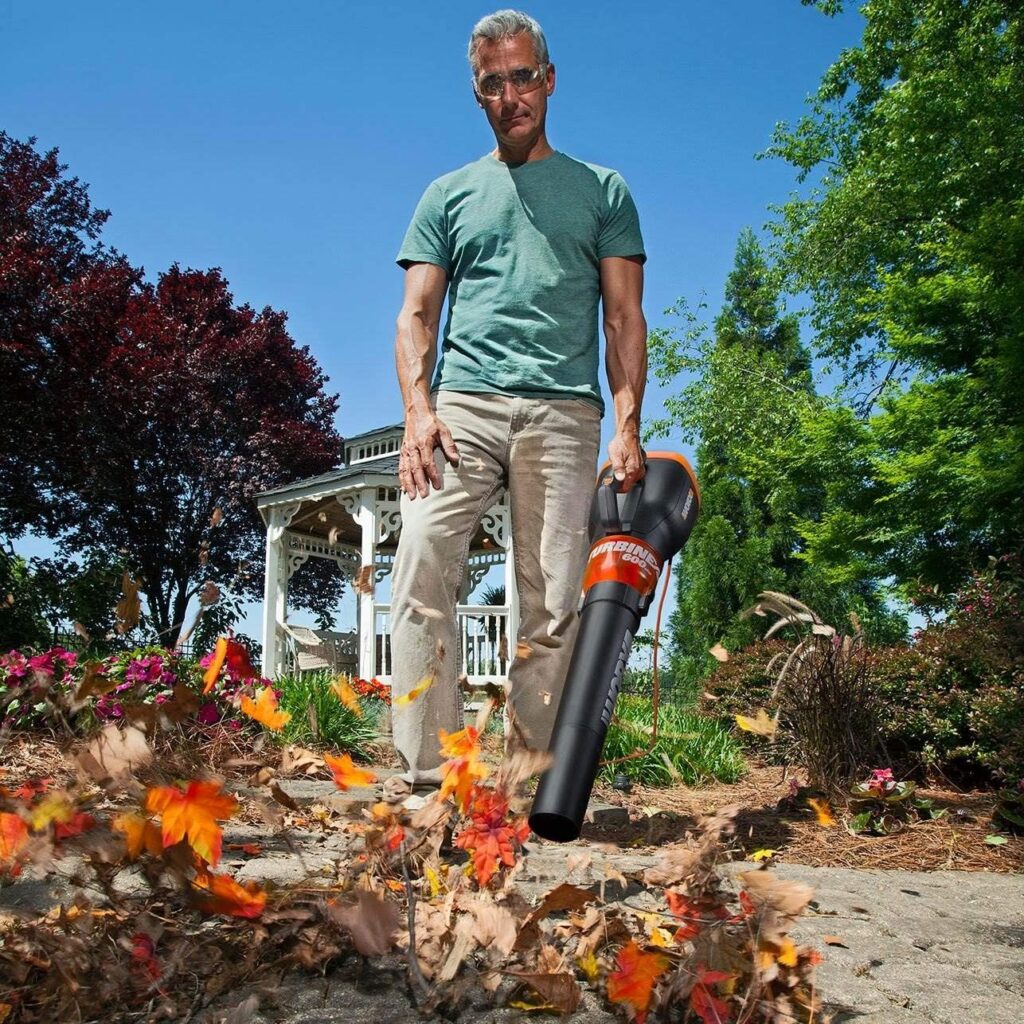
(221,894)
(633,980)
(264,709)
(759,855)
(215,517)
(705,1003)
(115,753)
(372,923)
(719,653)
(192,814)
(209,594)
(415,693)
(463,769)
(346,773)
(833,940)
(342,689)
(128,610)
(761,725)
(13,837)
(53,807)
(220,652)
(822,812)
(489,836)
(363,582)
(139,834)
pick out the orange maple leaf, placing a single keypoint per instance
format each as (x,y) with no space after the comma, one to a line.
(463,769)
(221,894)
(464,743)
(489,836)
(822,812)
(415,693)
(342,689)
(346,773)
(632,982)
(13,837)
(139,834)
(192,814)
(264,709)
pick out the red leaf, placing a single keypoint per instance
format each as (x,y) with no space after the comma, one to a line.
(632,982)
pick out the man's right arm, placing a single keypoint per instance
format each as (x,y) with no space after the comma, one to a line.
(415,353)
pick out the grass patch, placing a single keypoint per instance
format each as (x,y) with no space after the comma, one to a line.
(691,748)
(319,718)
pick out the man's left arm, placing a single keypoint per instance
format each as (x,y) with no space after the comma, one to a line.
(625,331)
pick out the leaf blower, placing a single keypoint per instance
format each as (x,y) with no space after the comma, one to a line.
(632,535)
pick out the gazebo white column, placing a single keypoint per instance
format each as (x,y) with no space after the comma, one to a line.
(275,587)
(511,592)
(363,509)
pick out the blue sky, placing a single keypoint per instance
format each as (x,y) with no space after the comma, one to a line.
(288,143)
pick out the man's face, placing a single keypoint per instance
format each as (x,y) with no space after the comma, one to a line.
(517,119)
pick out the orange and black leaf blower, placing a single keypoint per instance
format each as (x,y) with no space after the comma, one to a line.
(632,536)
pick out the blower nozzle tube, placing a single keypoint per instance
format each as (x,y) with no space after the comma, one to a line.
(632,536)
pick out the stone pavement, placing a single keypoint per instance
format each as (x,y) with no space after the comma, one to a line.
(917,947)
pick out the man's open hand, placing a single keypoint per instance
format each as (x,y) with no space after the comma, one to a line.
(627,458)
(416,466)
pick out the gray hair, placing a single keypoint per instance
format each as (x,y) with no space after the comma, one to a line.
(504,25)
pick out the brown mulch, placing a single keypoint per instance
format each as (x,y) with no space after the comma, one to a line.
(954,842)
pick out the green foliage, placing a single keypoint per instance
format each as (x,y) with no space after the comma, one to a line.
(882,806)
(319,717)
(22,623)
(690,748)
(749,389)
(954,701)
(911,246)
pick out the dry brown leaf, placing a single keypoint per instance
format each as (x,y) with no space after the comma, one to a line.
(94,682)
(363,582)
(425,612)
(209,594)
(519,766)
(215,517)
(299,759)
(719,653)
(332,535)
(372,922)
(493,924)
(128,610)
(560,990)
(81,631)
(524,650)
(834,940)
(114,754)
(282,797)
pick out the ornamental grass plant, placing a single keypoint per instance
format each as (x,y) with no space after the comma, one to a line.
(320,718)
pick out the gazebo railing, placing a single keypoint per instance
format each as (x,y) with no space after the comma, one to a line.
(485,647)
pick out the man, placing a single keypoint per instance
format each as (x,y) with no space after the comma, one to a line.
(524,242)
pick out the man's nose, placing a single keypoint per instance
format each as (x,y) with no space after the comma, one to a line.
(509,96)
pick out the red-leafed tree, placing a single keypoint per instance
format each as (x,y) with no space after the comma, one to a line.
(151,406)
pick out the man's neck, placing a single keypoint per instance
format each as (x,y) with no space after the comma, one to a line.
(537,150)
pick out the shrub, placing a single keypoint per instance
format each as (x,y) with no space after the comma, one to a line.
(319,717)
(742,683)
(954,700)
(690,747)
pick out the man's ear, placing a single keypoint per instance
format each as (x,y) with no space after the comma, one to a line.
(550,86)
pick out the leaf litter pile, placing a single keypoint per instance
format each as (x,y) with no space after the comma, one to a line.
(158,928)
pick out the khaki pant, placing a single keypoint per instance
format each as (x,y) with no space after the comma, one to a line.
(545,452)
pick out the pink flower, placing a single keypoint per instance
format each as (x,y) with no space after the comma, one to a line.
(209,714)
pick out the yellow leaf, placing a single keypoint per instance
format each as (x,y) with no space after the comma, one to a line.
(788,956)
(761,725)
(590,966)
(342,689)
(434,880)
(759,855)
(264,709)
(53,807)
(822,811)
(415,693)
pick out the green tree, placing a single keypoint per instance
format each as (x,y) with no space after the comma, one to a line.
(911,246)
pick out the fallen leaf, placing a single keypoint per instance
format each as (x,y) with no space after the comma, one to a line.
(761,724)
(560,990)
(834,940)
(13,837)
(346,773)
(759,855)
(633,980)
(264,709)
(996,840)
(221,894)
(192,814)
(115,753)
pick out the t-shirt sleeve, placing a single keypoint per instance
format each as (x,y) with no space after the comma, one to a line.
(426,240)
(620,229)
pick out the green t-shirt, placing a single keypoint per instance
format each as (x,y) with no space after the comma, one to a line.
(521,246)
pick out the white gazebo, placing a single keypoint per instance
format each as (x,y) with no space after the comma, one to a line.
(352,516)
